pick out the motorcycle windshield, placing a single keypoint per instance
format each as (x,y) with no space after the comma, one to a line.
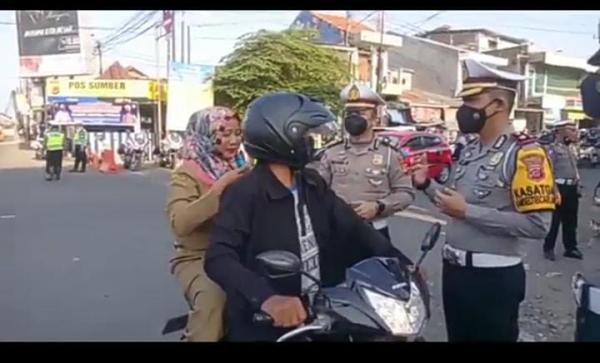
(385,275)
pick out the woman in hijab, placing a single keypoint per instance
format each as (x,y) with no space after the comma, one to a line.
(212,160)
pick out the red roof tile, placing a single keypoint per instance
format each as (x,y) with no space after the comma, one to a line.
(342,22)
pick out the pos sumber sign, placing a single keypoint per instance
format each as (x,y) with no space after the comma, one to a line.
(49,43)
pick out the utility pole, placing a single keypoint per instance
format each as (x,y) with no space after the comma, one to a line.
(379,54)
(189,45)
(99,50)
(598,31)
(182,37)
(158,118)
(173,39)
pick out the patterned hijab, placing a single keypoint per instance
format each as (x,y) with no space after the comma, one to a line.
(200,143)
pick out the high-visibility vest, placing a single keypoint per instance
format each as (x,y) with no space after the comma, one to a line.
(81,137)
(55,141)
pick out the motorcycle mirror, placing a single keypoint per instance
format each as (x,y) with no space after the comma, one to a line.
(280,264)
(431,237)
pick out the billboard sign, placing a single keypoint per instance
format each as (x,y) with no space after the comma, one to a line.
(190,90)
(140,90)
(49,43)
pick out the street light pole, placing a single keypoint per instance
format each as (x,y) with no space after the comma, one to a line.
(379,54)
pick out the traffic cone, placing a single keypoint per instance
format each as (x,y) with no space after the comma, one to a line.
(108,165)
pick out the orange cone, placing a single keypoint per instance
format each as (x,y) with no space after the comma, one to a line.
(108,165)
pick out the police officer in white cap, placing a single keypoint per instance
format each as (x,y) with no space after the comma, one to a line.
(568,182)
(363,170)
(501,190)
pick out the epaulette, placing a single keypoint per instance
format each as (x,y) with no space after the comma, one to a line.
(391,142)
(523,138)
(335,143)
(471,138)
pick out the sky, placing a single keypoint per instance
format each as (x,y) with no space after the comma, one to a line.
(575,33)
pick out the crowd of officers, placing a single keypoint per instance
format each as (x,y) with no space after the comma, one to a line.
(55,145)
(505,187)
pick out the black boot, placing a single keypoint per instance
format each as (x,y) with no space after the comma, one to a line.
(549,255)
(574,253)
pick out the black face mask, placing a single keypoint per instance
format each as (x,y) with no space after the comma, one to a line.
(471,120)
(355,124)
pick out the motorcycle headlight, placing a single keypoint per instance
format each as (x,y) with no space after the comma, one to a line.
(401,317)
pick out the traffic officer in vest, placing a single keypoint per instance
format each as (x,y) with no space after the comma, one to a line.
(363,170)
(54,141)
(567,180)
(501,190)
(80,140)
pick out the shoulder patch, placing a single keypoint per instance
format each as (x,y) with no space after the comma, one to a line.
(532,186)
(391,142)
(523,138)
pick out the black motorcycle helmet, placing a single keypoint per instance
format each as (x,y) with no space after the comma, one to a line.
(282,127)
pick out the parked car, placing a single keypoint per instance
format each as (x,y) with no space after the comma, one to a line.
(435,147)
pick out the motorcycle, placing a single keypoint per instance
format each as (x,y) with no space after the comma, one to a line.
(134,153)
(595,213)
(170,151)
(380,300)
(38,146)
(589,147)
(587,298)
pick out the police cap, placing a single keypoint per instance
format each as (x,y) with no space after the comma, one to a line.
(357,95)
(562,124)
(479,78)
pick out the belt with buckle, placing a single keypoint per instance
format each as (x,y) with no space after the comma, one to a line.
(463,258)
(563,181)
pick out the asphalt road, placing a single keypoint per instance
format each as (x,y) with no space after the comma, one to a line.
(85,259)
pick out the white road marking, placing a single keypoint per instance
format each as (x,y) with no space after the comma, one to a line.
(8,216)
(421,217)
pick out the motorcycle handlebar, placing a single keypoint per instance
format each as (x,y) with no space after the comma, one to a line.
(262,318)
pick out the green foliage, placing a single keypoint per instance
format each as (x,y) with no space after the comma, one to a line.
(269,61)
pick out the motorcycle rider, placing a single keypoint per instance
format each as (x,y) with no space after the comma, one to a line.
(212,161)
(281,205)
(568,182)
(501,190)
(54,142)
(80,140)
(364,170)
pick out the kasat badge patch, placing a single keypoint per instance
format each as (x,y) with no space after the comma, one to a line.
(535,167)
(377,159)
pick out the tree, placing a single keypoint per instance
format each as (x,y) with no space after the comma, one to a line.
(269,61)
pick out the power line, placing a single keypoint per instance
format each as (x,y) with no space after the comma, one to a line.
(126,26)
(129,27)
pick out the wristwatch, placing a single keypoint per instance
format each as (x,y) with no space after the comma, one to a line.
(425,185)
(380,207)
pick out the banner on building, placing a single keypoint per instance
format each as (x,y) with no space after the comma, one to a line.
(190,90)
(140,90)
(93,112)
(49,43)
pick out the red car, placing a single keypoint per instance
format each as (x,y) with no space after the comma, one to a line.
(437,149)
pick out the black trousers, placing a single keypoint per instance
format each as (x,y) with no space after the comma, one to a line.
(80,158)
(482,304)
(566,213)
(54,162)
(385,232)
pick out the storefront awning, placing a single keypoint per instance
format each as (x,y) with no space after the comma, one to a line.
(526,109)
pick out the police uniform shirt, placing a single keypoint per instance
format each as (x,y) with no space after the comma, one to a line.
(487,177)
(367,172)
(508,185)
(563,156)
(563,161)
